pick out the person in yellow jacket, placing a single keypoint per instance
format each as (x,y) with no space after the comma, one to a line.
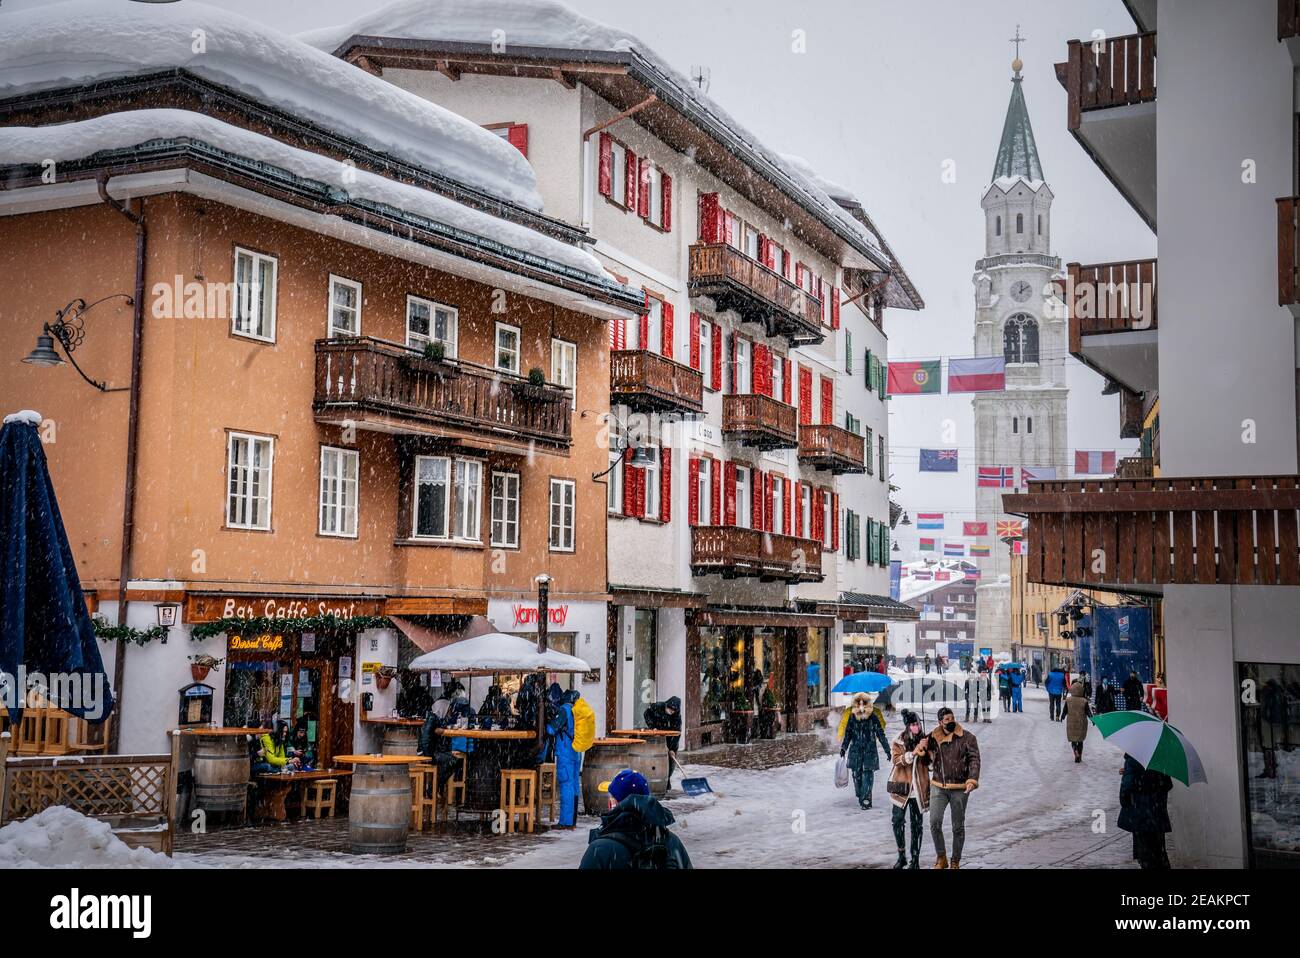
(275,752)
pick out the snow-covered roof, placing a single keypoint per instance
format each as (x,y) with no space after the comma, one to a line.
(921,587)
(549,25)
(116,131)
(77,42)
(497,652)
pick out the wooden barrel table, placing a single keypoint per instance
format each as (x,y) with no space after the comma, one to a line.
(649,755)
(401,736)
(379,810)
(600,763)
(221,768)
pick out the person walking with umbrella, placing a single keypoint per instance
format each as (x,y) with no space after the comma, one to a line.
(909,786)
(1004,688)
(865,725)
(1144,811)
(1077,712)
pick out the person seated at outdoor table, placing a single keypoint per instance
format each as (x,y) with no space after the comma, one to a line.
(460,709)
(303,750)
(276,751)
(497,705)
(436,748)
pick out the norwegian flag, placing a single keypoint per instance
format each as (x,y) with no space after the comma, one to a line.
(1093,462)
(997,477)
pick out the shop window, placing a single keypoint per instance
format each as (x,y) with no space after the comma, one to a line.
(817,667)
(644,665)
(1270,732)
(715,674)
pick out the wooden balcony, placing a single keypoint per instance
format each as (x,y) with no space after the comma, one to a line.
(1288,253)
(649,382)
(833,448)
(733,552)
(1288,19)
(1131,414)
(1114,317)
(1135,467)
(1138,535)
(759,295)
(386,387)
(761,421)
(1111,96)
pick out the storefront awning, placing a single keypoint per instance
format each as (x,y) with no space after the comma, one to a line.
(427,637)
(859,606)
(657,598)
(776,618)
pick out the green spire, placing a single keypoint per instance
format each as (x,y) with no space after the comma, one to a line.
(1017,153)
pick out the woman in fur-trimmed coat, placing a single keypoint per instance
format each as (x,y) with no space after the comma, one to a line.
(909,785)
(1077,710)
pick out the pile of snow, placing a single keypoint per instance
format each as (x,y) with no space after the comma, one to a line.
(77,42)
(73,141)
(548,24)
(61,837)
(1007,183)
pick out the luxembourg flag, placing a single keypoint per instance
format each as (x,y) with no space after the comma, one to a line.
(929,520)
(1093,463)
(978,375)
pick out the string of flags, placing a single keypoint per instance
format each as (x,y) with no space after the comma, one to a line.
(977,374)
(1087,462)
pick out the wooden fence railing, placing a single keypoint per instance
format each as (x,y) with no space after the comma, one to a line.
(760,420)
(1112,72)
(832,447)
(735,551)
(714,266)
(640,377)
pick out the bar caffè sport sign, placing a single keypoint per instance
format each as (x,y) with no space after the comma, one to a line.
(210,608)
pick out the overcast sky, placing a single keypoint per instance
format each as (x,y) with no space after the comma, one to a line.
(887,91)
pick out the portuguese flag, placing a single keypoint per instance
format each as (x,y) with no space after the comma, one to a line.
(907,378)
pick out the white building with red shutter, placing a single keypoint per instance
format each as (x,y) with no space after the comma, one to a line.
(748,483)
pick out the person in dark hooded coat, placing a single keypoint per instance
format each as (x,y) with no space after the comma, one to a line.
(864,728)
(1144,811)
(666,716)
(568,761)
(634,832)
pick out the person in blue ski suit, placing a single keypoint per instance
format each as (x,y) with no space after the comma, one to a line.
(1017,685)
(568,762)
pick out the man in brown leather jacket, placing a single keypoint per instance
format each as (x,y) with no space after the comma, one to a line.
(954,774)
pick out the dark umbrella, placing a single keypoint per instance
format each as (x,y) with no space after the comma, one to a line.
(44,623)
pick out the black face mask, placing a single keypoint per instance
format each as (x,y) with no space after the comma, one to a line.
(949,726)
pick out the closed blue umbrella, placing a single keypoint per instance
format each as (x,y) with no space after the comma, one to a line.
(44,623)
(863,682)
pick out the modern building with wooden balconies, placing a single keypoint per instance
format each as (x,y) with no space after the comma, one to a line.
(758,294)
(648,382)
(736,552)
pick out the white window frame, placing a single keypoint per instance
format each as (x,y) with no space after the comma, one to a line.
(507,495)
(653,507)
(737,231)
(805,511)
(451,316)
(827,518)
(706,351)
(335,332)
(778,504)
(340,492)
(467,500)
(742,373)
(744,498)
(654,327)
(246,496)
(778,376)
(508,329)
(703,490)
(237,316)
(564,367)
(446,498)
(656,204)
(750,242)
(568,490)
(617,441)
(618,173)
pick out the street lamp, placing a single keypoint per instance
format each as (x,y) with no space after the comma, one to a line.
(69,330)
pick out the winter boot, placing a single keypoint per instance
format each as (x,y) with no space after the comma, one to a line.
(902,859)
(916,849)
(955,863)
(941,861)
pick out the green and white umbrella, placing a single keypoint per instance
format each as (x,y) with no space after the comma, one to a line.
(1155,744)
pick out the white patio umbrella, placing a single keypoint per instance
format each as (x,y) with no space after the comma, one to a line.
(496,652)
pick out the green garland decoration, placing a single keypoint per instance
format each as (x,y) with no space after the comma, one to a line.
(124,633)
(315,623)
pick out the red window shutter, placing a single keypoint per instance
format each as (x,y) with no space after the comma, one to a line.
(620,334)
(640,492)
(644,342)
(805,396)
(717,356)
(785,382)
(629,487)
(762,249)
(643,190)
(828,400)
(695,340)
(728,227)
(835,522)
(668,330)
(666,218)
(606,164)
(818,517)
(715,481)
(835,307)
(613,334)
(729,515)
(762,368)
(769,504)
(786,264)
(665,484)
(693,491)
(731,358)
(710,231)
(756,478)
(789,506)
(518,137)
(631,170)
(799,269)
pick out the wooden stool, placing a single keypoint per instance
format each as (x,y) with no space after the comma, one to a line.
(54,740)
(319,797)
(31,732)
(518,791)
(455,788)
(424,796)
(547,794)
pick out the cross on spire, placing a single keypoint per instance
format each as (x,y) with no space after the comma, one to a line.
(1017,40)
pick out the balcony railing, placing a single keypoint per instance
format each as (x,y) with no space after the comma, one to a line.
(733,552)
(758,294)
(1127,533)
(759,420)
(360,378)
(833,448)
(648,381)
(1120,71)
(1111,298)
(1131,414)
(1288,19)
(1288,251)
(1135,467)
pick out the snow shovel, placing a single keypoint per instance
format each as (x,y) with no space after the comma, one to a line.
(691,786)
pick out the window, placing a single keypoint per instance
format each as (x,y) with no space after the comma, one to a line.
(805,517)
(465,519)
(826,518)
(997,229)
(338,491)
(432,481)
(564,367)
(654,327)
(651,478)
(617,440)
(778,376)
(866,446)
(562,492)
(741,381)
(881,440)
(254,313)
(733,226)
(656,210)
(248,496)
(1040,224)
(505,509)
(618,173)
(751,242)
(706,351)
(778,257)
(850,535)
(1020,222)
(1015,424)
(1020,339)
(430,322)
(778,504)
(848,351)
(345,308)
(744,500)
(1029,424)
(507,351)
(703,488)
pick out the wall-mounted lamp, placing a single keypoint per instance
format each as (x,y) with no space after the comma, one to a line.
(69,330)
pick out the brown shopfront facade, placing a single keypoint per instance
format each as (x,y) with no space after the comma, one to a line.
(742,654)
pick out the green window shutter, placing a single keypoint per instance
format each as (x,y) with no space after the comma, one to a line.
(871,541)
(867,446)
(848,351)
(884,543)
(882,380)
(870,371)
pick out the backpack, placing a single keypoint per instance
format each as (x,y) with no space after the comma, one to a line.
(584,726)
(651,852)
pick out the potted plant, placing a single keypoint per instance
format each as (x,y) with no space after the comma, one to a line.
(769,721)
(385,675)
(201,665)
(740,715)
(432,359)
(534,387)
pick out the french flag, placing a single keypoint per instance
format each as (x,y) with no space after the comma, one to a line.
(1090,462)
(978,375)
